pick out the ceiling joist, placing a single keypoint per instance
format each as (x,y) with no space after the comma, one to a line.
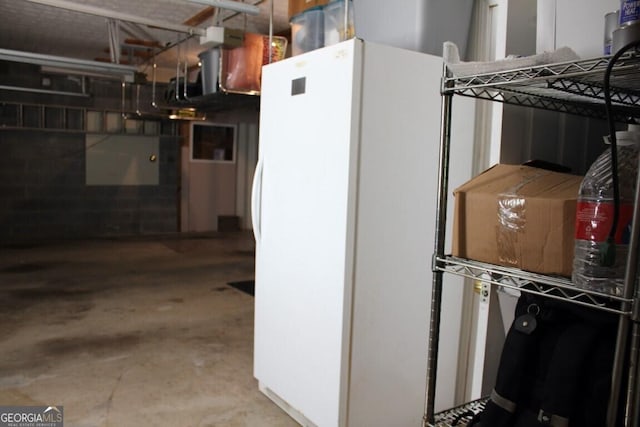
(122,61)
(200,17)
(136,31)
(132,52)
(143,43)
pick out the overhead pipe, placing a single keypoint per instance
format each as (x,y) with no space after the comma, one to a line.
(346,20)
(270,30)
(177,90)
(65,63)
(154,104)
(114,42)
(44,91)
(186,76)
(123,106)
(233,15)
(179,57)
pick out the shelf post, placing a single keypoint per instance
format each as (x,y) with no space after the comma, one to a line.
(440,228)
(629,292)
(633,388)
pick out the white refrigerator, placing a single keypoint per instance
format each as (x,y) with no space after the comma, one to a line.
(343,207)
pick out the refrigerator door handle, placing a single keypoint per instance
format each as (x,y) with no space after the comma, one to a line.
(256,200)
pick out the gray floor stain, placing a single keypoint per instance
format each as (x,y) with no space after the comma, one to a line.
(98,345)
(80,327)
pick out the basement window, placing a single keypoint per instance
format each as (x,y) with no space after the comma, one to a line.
(213,142)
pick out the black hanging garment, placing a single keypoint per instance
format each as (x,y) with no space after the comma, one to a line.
(555,368)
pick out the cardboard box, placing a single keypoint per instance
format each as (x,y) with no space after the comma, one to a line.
(299,6)
(517,216)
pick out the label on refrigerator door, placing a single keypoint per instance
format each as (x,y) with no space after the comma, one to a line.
(298,86)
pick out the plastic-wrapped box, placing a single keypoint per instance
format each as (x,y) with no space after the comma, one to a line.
(517,216)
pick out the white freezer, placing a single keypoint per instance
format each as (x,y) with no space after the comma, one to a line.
(343,209)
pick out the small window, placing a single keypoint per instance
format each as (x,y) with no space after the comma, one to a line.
(211,142)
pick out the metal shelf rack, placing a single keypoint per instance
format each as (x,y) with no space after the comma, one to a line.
(570,87)
(547,286)
(567,87)
(460,415)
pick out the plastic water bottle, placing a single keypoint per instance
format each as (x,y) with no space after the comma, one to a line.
(629,12)
(594,217)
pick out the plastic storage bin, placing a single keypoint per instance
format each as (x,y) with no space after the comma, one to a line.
(307,31)
(334,23)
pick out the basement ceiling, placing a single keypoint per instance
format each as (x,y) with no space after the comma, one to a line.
(32,27)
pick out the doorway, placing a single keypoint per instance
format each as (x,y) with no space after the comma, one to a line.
(218,160)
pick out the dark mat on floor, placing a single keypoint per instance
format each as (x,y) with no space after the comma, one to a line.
(246,286)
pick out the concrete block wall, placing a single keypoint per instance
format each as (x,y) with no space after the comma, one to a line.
(43,192)
(42,172)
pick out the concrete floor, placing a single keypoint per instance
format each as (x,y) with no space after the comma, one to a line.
(132,332)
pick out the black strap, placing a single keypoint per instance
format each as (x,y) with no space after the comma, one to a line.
(503,402)
(563,376)
(516,354)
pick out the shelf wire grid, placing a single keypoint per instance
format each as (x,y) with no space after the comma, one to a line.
(549,286)
(460,416)
(569,87)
